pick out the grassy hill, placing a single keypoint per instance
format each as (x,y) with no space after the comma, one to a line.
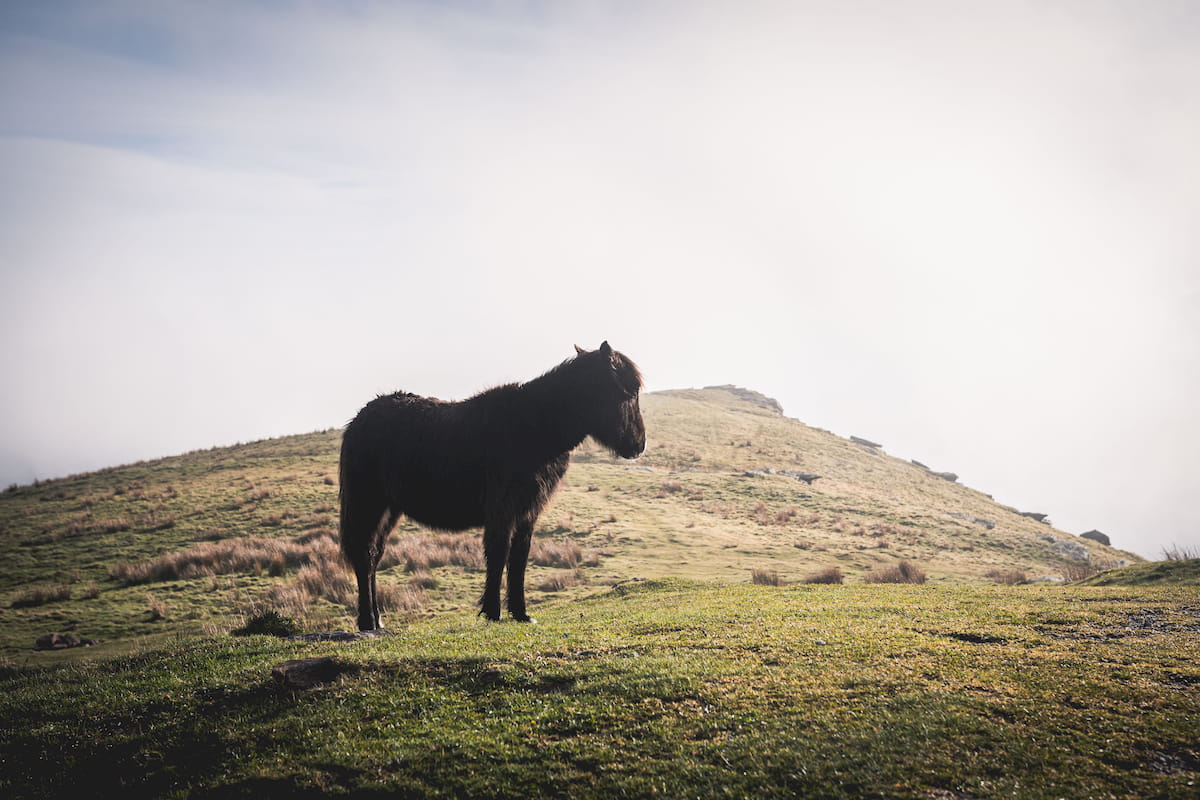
(691,682)
(866,511)
(1183,572)
(195,543)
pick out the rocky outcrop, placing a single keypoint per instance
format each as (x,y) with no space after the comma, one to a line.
(1097,536)
(806,477)
(1073,551)
(980,521)
(866,442)
(61,641)
(751,396)
(947,476)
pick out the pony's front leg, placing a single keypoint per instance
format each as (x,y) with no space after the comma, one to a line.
(518,555)
(495,553)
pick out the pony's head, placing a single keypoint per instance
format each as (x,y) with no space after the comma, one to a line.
(613,383)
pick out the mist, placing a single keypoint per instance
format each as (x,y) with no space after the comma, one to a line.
(966,233)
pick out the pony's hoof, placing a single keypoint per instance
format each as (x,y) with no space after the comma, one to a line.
(524,618)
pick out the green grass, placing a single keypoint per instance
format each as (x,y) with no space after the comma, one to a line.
(661,688)
(1153,573)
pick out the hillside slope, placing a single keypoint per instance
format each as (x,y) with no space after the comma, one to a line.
(712,501)
(1185,572)
(194,543)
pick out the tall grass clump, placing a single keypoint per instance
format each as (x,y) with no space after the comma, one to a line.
(423,580)
(158,608)
(397,598)
(328,579)
(1007,577)
(765,577)
(41,595)
(565,554)
(1177,553)
(1077,571)
(253,554)
(561,580)
(832,575)
(422,552)
(904,572)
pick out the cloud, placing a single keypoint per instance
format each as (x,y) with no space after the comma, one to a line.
(963,232)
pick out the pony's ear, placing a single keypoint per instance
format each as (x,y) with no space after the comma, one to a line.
(579,350)
(605,349)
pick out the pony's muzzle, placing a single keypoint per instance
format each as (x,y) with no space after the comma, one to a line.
(634,449)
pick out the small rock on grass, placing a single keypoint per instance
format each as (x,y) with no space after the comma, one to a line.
(305,673)
(61,641)
(337,636)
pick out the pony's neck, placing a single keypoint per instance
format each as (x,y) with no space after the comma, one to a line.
(555,401)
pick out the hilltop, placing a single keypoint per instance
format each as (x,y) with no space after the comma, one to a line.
(728,486)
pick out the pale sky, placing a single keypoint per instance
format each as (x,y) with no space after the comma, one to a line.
(968,231)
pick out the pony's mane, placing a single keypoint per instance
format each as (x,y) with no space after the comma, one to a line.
(627,372)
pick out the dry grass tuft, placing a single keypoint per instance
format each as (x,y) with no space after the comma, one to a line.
(1177,553)
(328,579)
(765,577)
(250,555)
(565,554)
(832,575)
(290,599)
(423,579)
(403,599)
(41,595)
(1077,571)
(310,536)
(561,580)
(422,552)
(1007,577)
(158,608)
(904,572)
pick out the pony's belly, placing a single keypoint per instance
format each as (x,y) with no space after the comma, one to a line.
(445,520)
(442,507)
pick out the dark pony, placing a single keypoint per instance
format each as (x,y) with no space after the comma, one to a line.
(491,461)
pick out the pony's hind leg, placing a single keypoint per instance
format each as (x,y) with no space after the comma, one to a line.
(387,521)
(495,553)
(364,532)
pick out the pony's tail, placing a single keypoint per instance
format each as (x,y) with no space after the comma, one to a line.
(345,500)
(363,517)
